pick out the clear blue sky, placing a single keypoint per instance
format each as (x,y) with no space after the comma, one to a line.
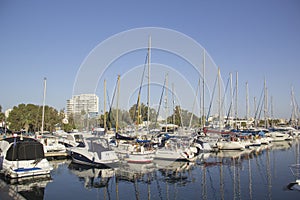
(259,39)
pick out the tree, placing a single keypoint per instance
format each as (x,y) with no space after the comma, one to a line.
(182,117)
(133,112)
(2,116)
(29,117)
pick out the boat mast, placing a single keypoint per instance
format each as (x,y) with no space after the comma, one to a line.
(255,120)
(231,95)
(166,102)
(173,101)
(236,100)
(265,103)
(219,85)
(149,57)
(247,104)
(44,98)
(118,95)
(203,90)
(104,106)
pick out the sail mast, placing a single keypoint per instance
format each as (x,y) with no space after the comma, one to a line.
(219,85)
(247,103)
(149,57)
(236,100)
(104,116)
(203,90)
(265,103)
(44,98)
(118,95)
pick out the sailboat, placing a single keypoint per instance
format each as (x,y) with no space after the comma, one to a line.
(142,152)
(51,143)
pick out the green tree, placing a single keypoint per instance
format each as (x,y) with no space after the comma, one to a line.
(133,112)
(182,117)
(2,116)
(29,117)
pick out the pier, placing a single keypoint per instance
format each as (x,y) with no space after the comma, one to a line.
(56,154)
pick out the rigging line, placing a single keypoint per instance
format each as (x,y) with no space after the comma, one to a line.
(140,89)
(230,106)
(212,97)
(259,105)
(109,113)
(198,86)
(160,100)
(223,99)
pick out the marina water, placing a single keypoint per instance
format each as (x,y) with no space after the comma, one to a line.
(259,173)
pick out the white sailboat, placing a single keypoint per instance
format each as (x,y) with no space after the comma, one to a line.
(139,152)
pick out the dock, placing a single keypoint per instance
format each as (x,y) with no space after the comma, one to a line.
(56,154)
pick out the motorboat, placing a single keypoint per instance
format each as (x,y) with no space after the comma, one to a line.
(70,140)
(177,150)
(202,145)
(233,143)
(278,136)
(96,152)
(23,156)
(140,153)
(51,144)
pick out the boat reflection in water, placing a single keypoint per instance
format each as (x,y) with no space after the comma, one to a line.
(258,173)
(92,177)
(175,172)
(24,188)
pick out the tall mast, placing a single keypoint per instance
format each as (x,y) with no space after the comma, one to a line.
(118,95)
(219,86)
(272,114)
(203,90)
(149,57)
(265,103)
(236,99)
(173,102)
(231,99)
(255,120)
(44,99)
(104,116)
(247,101)
(166,102)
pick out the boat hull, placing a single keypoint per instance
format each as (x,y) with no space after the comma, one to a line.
(90,160)
(26,168)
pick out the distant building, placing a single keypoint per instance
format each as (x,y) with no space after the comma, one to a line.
(87,103)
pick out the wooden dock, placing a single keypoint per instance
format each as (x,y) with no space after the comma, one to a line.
(56,154)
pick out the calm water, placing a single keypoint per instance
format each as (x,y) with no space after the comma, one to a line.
(260,174)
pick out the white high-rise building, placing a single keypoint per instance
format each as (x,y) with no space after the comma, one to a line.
(89,103)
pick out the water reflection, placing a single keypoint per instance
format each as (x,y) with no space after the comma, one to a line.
(28,188)
(90,176)
(258,173)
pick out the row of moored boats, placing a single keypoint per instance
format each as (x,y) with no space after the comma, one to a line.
(22,156)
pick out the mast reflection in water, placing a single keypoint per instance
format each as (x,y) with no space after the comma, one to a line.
(259,173)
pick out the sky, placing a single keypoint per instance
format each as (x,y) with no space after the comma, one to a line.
(57,39)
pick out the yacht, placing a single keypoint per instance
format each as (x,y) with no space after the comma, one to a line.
(22,157)
(96,152)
